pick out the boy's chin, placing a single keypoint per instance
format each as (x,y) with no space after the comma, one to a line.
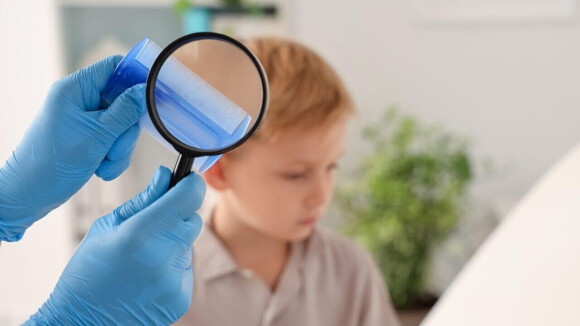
(299,235)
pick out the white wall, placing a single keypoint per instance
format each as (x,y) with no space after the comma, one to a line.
(30,62)
(511,87)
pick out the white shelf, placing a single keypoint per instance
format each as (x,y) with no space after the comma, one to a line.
(126,3)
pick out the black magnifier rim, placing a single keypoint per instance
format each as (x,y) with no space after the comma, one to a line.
(181,147)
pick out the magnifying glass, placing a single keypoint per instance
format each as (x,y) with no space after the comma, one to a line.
(206,94)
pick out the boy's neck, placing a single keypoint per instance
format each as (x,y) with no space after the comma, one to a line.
(251,249)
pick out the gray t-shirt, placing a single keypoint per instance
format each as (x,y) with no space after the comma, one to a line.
(328,280)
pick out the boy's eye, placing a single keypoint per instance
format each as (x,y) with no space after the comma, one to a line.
(293,176)
(304,175)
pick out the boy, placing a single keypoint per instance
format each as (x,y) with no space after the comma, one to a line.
(260,259)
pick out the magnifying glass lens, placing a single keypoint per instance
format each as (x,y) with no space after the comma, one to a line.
(208,94)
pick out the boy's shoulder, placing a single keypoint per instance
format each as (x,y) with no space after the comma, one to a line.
(333,252)
(335,243)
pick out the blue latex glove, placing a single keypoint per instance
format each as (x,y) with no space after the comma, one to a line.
(134,265)
(68,142)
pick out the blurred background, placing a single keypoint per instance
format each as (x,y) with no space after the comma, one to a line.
(484,94)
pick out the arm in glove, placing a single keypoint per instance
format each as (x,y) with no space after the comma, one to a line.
(70,140)
(134,265)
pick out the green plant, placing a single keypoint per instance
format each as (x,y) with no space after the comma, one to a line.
(406,199)
(182,6)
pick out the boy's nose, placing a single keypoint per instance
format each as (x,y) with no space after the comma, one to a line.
(320,189)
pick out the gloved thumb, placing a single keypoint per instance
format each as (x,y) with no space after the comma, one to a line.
(158,186)
(125,111)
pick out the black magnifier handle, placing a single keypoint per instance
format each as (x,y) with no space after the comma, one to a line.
(182,169)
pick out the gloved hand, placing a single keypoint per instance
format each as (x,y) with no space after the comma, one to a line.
(134,265)
(68,142)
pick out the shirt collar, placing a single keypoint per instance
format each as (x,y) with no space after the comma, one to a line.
(217,261)
(213,255)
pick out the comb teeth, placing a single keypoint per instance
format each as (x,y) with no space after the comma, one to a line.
(148,54)
(205,98)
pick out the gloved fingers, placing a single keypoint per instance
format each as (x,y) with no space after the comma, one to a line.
(188,256)
(84,86)
(187,286)
(191,229)
(157,187)
(110,170)
(125,111)
(174,214)
(124,145)
(183,235)
(119,156)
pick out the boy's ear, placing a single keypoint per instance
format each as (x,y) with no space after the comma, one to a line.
(214,176)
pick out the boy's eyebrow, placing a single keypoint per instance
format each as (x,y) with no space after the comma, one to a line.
(306,162)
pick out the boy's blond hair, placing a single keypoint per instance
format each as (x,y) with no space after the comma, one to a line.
(304,90)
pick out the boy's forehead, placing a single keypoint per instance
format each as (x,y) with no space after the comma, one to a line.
(303,144)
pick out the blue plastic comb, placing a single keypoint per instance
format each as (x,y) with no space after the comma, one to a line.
(191,109)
